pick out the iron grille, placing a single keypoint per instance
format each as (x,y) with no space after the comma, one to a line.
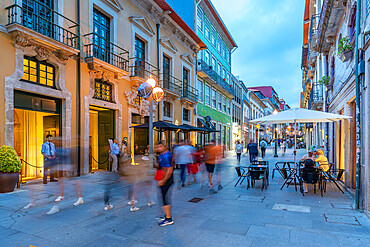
(103,90)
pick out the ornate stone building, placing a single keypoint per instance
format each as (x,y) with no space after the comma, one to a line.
(73,72)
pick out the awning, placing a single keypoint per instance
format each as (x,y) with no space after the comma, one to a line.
(158,126)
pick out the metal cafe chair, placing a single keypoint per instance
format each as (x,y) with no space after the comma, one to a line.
(242,174)
(257,174)
(332,175)
(314,177)
(283,168)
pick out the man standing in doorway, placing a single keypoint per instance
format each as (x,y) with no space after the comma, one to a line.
(263,146)
(48,151)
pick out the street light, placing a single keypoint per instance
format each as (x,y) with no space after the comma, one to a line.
(149,90)
(275,128)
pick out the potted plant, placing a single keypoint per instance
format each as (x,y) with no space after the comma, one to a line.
(345,49)
(10,166)
(325,80)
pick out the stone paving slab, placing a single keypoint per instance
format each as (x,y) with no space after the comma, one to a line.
(234,216)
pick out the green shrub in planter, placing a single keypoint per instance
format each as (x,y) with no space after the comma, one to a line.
(9,160)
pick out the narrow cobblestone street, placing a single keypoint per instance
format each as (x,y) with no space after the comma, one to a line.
(234,216)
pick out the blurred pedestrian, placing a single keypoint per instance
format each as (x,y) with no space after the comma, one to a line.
(238,150)
(212,155)
(252,148)
(164,176)
(283,147)
(114,152)
(263,146)
(65,170)
(183,156)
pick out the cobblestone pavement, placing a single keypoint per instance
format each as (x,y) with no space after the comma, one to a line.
(234,216)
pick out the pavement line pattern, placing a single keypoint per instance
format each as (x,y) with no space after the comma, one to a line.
(292,208)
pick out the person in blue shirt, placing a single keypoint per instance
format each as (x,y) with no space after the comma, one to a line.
(165,184)
(48,151)
(114,152)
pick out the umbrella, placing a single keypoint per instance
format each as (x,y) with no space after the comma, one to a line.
(299,115)
(187,127)
(159,126)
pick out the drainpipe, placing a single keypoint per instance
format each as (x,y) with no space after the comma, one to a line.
(358,107)
(158,60)
(78,103)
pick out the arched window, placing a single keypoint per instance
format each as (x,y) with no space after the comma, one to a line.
(39,72)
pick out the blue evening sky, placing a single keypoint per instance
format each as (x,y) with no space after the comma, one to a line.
(269,34)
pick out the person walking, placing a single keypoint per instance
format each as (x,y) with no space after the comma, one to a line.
(164,177)
(252,148)
(183,156)
(283,147)
(263,146)
(238,150)
(212,155)
(114,152)
(48,151)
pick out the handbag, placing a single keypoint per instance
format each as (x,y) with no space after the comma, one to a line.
(159,175)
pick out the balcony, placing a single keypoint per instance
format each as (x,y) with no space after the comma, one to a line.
(317,96)
(172,85)
(205,71)
(330,19)
(101,53)
(141,70)
(38,24)
(189,94)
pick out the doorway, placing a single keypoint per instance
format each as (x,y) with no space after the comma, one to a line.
(101,129)
(30,131)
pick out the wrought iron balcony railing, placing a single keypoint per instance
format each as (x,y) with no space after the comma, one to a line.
(143,69)
(46,21)
(190,92)
(106,51)
(172,83)
(207,69)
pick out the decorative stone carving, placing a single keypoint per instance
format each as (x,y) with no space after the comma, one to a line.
(62,56)
(131,96)
(22,40)
(144,107)
(42,53)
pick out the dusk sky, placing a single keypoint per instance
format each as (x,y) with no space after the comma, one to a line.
(269,34)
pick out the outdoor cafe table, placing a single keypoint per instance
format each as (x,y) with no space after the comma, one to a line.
(260,167)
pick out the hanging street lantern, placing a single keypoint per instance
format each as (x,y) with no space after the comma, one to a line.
(157,94)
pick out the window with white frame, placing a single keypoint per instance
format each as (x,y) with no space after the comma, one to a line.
(200,91)
(214,64)
(200,18)
(214,99)
(207,28)
(219,70)
(167,109)
(228,78)
(219,102)
(224,104)
(213,36)
(229,107)
(201,55)
(208,98)
(224,74)
(186,115)
(207,57)
(219,43)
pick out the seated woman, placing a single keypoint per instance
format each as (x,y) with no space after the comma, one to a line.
(309,166)
(322,160)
